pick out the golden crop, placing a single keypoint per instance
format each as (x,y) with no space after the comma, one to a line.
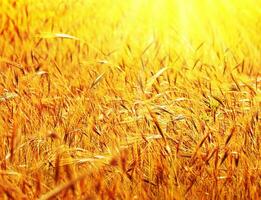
(130,99)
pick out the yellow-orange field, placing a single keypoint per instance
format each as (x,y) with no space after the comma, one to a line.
(130,99)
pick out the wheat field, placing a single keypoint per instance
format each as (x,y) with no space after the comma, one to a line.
(130,99)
